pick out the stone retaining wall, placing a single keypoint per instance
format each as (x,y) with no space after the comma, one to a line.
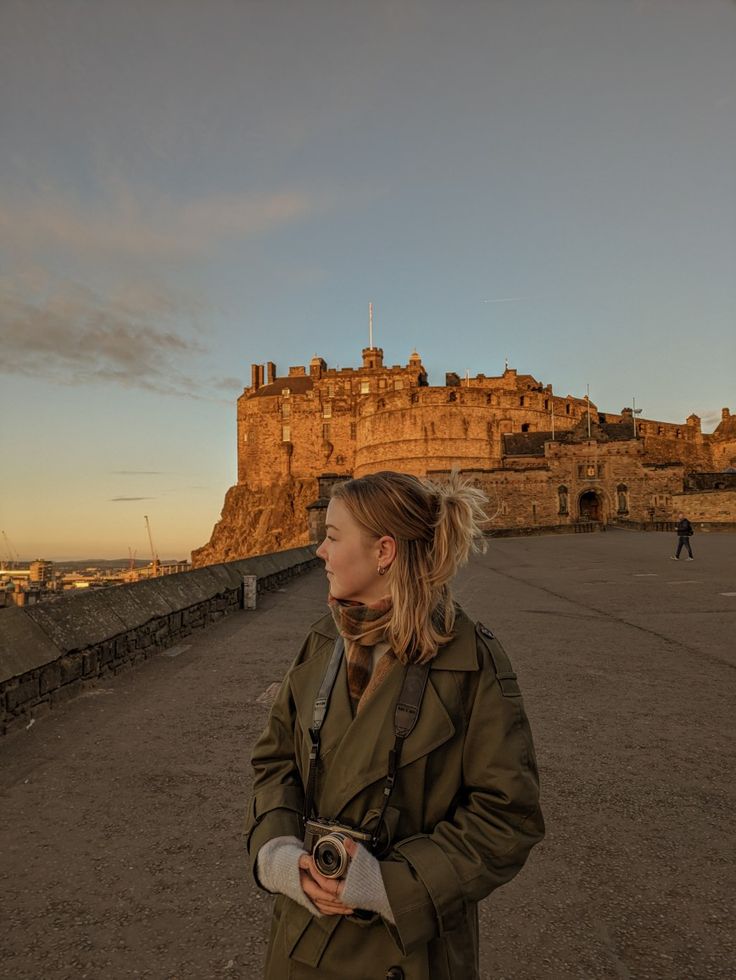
(671,526)
(577,527)
(51,652)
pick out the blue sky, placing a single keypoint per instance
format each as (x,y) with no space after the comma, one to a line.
(187,188)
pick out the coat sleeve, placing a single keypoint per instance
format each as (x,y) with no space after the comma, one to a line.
(431,878)
(277,802)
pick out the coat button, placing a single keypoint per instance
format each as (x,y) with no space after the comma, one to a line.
(395,973)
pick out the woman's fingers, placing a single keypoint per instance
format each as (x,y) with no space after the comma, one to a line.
(325,901)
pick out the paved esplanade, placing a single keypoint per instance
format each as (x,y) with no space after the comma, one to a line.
(122,812)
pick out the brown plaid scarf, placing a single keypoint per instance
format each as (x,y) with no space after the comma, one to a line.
(363,627)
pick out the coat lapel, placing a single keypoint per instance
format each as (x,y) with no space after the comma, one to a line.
(359,747)
(361,757)
(305,682)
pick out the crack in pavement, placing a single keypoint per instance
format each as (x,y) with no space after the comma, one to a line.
(605,614)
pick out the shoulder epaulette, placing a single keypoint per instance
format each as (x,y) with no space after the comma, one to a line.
(501,664)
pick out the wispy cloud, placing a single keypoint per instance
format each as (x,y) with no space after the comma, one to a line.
(227,384)
(506,299)
(145,224)
(139,472)
(71,335)
(117,500)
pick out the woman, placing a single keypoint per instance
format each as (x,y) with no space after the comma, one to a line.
(461,812)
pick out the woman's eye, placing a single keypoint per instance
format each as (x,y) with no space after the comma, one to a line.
(329,538)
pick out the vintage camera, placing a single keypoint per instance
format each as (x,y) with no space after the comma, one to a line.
(325,841)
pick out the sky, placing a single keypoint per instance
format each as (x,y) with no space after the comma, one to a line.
(188,188)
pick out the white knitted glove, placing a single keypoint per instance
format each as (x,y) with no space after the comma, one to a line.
(277,867)
(364,888)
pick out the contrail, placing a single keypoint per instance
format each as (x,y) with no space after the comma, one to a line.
(506,299)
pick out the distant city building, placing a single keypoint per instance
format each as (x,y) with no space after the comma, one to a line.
(41,571)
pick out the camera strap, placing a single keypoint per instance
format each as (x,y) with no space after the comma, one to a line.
(320,711)
(405,718)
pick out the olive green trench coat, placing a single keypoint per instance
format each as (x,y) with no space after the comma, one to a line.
(464,813)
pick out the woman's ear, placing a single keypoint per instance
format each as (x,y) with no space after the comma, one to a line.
(386,549)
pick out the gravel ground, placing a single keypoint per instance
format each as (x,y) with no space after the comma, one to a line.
(122,852)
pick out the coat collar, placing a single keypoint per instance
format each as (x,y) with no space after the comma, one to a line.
(355,751)
(458,654)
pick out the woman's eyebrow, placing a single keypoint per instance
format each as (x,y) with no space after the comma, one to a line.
(333,526)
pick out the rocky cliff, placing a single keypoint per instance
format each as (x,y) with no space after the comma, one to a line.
(255,522)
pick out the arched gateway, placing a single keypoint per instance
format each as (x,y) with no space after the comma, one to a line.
(590,506)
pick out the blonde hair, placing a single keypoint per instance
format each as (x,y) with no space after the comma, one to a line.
(436,527)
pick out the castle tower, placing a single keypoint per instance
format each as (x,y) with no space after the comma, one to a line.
(372,357)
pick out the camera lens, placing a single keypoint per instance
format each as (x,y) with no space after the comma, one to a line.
(331,857)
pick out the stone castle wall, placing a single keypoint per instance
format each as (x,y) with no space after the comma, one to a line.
(296,428)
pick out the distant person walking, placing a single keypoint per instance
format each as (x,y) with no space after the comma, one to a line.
(684,533)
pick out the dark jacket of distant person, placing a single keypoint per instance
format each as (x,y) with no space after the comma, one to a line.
(684,528)
(465,811)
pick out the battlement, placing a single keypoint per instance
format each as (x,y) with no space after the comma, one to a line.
(355,420)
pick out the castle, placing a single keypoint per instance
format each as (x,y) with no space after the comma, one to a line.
(542,459)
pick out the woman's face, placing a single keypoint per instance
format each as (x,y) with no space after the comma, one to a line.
(352,558)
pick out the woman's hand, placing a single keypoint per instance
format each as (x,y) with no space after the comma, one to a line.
(324,892)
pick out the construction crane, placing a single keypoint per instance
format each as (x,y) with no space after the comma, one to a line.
(12,553)
(155,563)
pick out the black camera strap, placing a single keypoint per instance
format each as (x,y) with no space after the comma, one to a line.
(320,711)
(405,718)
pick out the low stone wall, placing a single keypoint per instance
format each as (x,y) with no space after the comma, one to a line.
(714,506)
(577,527)
(51,652)
(671,526)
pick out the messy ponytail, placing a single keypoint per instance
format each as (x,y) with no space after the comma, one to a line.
(436,527)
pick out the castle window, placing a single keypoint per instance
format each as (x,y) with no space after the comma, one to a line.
(327,410)
(353,430)
(286,392)
(660,430)
(567,408)
(286,433)
(398,384)
(330,391)
(452,397)
(600,469)
(326,431)
(678,433)
(286,410)
(381,383)
(521,400)
(546,403)
(524,426)
(365,387)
